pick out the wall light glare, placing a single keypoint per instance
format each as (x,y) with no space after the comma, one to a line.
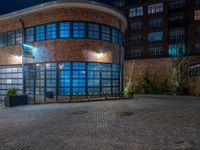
(28,46)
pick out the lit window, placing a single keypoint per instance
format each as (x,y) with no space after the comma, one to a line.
(11,38)
(138,11)
(155,8)
(29,34)
(79,30)
(40,34)
(197,15)
(93,31)
(64,29)
(176,49)
(155,36)
(105,33)
(51,31)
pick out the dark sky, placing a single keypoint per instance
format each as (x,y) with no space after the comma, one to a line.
(7,6)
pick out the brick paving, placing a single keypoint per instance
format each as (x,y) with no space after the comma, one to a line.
(147,123)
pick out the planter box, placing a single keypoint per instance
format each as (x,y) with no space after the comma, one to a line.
(11,101)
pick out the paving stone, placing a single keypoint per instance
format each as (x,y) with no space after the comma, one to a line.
(153,124)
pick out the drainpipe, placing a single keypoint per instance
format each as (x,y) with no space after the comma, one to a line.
(22,50)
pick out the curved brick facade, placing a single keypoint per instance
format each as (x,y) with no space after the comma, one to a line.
(63,49)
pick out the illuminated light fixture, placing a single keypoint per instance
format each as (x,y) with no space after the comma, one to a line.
(28,46)
(99,55)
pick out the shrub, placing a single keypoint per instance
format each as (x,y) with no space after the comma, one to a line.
(11,92)
(153,84)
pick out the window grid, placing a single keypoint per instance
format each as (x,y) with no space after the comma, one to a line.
(29,34)
(138,11)
(40,33)
(155,8)
(49,31)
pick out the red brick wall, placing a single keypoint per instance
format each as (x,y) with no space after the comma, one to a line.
(134,71)
(62,49)
(59,14)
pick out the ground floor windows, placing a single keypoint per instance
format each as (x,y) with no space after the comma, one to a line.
(195,70)
(62,78)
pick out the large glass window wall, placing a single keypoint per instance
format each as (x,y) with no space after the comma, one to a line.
(62,78)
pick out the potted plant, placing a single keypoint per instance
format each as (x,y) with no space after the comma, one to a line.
(12,99)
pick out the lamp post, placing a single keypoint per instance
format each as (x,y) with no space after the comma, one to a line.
(23,59)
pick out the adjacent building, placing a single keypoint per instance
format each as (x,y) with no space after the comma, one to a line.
(155,29)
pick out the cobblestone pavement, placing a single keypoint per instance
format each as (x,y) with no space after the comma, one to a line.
(147,123)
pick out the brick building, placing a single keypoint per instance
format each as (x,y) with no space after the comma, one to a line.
(155,28)
(70,48)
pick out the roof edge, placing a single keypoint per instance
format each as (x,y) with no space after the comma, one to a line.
(68,3)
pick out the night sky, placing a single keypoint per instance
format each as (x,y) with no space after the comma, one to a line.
(7,6)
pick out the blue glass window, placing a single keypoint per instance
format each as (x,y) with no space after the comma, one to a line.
(29,34)
(78,30)
(94,74)
(3,39)
(176,49)
(19,36)
(93,31)
(11,38)
(64,29)
(115,36)
(106,33)
(51,31)
(79,66)
(155,36)
(40,33)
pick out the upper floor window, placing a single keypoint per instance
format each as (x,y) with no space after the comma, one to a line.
(196,49)
(155,8)
(93,31)
(155,51)
(64,29)
(154,23)
(174,4)
(176,36)
(155,36)
(197,2)
(51,31)
(197,32)
(40,33)
(19,36)
(197,15)
(136,25)
(78,30)
(138,11)
(119,3)
(11,38)
(106,33)
(176,49)
(136,38)
(3,39)
(115,36)
(135,52)
(29,34)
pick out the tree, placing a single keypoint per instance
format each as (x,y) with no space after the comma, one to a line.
(178,51)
